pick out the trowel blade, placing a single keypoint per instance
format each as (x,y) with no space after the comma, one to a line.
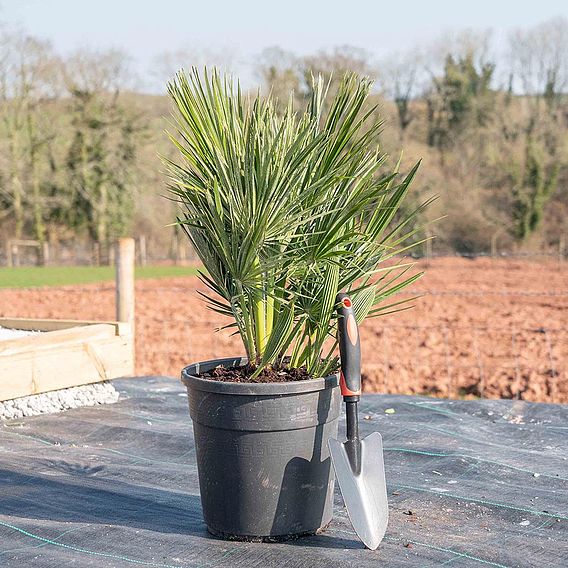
(365,493)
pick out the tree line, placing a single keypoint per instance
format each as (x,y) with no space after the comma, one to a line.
(492,126)
(78,147)
(68,144)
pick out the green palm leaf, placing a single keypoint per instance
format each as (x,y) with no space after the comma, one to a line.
(284,210)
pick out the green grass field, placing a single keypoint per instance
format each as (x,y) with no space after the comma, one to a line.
(34,276)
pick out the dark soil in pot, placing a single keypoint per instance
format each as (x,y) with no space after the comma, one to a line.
(242,373)
(263,461)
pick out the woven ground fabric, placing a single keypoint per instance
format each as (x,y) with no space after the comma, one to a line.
(471,483)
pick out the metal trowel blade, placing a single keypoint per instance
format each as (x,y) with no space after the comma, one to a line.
(364,493)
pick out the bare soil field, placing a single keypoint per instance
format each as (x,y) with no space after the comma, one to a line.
(491,328)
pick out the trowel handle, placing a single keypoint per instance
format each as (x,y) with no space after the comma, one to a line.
(349,349)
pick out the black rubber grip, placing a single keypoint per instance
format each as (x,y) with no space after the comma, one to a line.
(349,349)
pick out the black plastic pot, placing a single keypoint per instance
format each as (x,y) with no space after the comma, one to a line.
(264,467)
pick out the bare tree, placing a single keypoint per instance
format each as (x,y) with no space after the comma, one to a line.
(166,65)
(26,85)
(93,71)
(334,63)
(539,68)
(279,72)
(539,58)
(340,60)
(401,79)
(460,44)
(101,156)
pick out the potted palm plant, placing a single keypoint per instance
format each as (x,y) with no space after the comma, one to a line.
(284,210)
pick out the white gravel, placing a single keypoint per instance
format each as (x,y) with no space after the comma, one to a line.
(56,401)
(8,333)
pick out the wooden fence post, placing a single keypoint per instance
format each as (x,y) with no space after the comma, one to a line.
(15,254)
(9,256)
(142,250)
(45,253)
(494,244)
(175,246)
(112,256)
(96,253)
(125,255)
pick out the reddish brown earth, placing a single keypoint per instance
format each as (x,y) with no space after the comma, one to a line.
(491,328)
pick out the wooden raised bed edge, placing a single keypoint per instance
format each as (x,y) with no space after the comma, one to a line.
(71,353)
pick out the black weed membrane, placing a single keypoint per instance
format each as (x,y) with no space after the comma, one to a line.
(470,483)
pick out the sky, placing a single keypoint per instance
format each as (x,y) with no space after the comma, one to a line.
(240,29)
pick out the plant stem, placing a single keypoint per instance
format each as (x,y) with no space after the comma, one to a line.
(294,359)
(259,314)
(270,308)
(248,337)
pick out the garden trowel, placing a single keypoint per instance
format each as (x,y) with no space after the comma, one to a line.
(359,465)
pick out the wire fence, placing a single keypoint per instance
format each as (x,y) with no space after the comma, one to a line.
(430,352)
(443,360)
(176,250)
(497,342)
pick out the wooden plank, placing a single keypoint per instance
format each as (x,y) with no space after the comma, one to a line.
(56,338)
(65,364)
(71,353)
(29,324)
(40,324)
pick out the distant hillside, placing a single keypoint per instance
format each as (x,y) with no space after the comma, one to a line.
(79,157)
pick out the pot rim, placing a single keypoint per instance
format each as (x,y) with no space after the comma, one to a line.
(190,380)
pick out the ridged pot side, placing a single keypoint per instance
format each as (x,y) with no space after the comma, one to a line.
(262,456)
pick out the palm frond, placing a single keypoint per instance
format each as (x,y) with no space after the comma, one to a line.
(284,210)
